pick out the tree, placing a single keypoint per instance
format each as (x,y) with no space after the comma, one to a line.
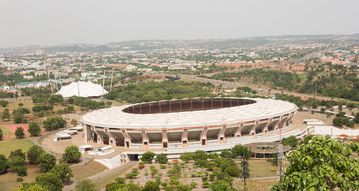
(356,117)
(57,98)
(226,154)
(47,162)
(63,171)
(72,154)
(162,159)
(19,133)
(220,185)
(151,186)
(5,116)
(19,117)
(147,157)
(85,185)
(320,163)
(34,153)
(34,129)
(233,171)
(16,162)
(245,169)
(186,157)
(1,134)
(291,141)
(50,181)
(3,164)
(4,103)
(240,151)
(53,123)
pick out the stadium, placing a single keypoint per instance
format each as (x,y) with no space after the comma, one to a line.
(184,125)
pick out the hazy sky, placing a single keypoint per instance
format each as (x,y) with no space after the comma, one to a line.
(49,22)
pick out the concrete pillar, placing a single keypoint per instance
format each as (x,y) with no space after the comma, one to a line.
(127,138)
(145,140)
(204,136)
(221,134)
(238,132)
(265,129)
(164,138)
(253,131)
(184,137)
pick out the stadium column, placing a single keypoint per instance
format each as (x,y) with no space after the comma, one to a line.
(277,124)
(95,138)
(111,139)
(145,140)
(221,134)
(265,129)
(253,130)
(164,138)
(127,138)
(204,136)
(184,137)
(289,120)
(238,132)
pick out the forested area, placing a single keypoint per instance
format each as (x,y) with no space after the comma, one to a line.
(153,91)
(343,83)
(333,85)
(286,80)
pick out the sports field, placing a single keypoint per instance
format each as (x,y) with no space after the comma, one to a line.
(6,146)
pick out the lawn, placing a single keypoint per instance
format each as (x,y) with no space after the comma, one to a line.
(5,131)
(6,146)
(260,168)
(8,180)
(87,170)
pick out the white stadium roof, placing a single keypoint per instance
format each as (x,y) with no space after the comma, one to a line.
(114,117)
(82,89)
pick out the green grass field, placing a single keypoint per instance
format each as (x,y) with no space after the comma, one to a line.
(5,130)
(260,168)
(6,146)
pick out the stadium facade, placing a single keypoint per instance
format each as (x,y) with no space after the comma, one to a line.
(187,123)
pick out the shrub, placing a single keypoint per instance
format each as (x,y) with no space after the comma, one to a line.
(34,153)
(16,162)
(47,162)
(141,165)
(72,154)
(34,129)
(5,115)
(19,133)
(162,159)
(151,186)
(4,103)
(3,164)
(50,181)
(19,117)
(1,134)
(63,171)
(53,123)
(147,157)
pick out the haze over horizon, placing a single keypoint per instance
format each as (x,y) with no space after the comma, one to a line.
(44,23)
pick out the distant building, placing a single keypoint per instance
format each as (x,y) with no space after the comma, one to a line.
(82,89)
(37,84)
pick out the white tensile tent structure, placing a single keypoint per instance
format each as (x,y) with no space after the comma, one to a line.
(82,89)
